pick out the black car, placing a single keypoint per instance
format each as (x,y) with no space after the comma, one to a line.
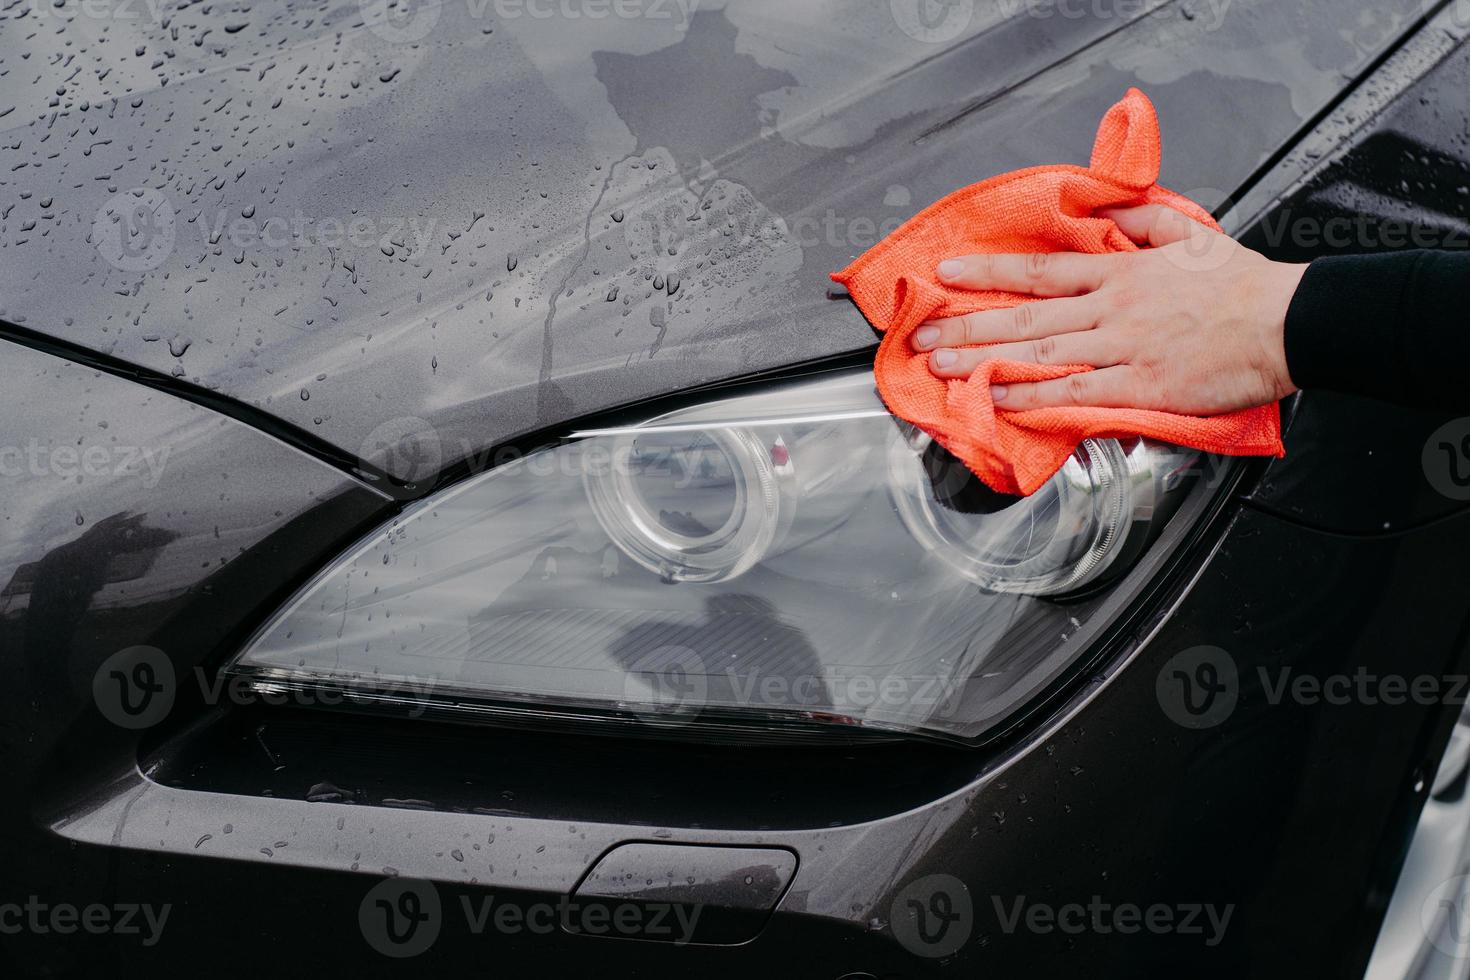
(447,525)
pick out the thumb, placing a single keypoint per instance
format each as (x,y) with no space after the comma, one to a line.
(1154,224)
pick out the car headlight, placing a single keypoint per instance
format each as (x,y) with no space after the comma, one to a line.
(792,562)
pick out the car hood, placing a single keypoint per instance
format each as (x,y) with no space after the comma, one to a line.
(491,217)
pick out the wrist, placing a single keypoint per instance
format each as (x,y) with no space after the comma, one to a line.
(1278,284)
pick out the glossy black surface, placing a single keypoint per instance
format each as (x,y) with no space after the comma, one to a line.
(1405,184)
(127,517)
(265,828)
(748,148)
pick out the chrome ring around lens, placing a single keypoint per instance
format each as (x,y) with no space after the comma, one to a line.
(1055,540)
(694,552)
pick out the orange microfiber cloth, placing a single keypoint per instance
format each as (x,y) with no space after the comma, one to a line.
(1041,209)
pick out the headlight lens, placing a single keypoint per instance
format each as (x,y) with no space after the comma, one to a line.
(789,563)
(690,506)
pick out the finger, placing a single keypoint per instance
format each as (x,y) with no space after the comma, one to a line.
(1037,273)
(1155,224)
(1111,387)
(1087,347)
(1025,321)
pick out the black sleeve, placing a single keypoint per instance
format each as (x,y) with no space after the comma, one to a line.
(1394,326)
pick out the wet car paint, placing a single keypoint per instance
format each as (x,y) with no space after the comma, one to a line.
(248,818)
(551,220)
(1404,185)
(127,518)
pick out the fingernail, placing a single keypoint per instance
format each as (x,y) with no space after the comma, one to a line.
(997,392)
(926,336)
(945,358)
(951,268)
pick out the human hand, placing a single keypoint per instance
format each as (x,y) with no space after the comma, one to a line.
(1193,325)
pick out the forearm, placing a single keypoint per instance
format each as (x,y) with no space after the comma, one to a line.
(1393,326)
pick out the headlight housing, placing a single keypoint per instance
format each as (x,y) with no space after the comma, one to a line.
(788,563)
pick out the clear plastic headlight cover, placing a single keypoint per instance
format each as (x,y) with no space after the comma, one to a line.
(788,563)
